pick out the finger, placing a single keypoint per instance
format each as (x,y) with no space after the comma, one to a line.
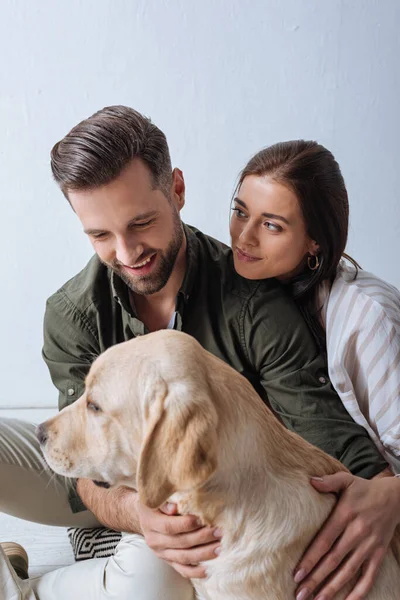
(332,483)
(200,537)
(169,508)
(174,525)
(347,572)
(324,540)
(366,581)
(345,545)
(192,556)
(187,572)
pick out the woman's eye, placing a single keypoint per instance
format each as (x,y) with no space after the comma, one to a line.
(272,227)
(238,213)
(93,407)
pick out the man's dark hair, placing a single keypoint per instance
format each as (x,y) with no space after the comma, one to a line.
(96,150)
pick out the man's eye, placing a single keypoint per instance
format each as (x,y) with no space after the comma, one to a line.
(99,236)
(138,225)
(93,407)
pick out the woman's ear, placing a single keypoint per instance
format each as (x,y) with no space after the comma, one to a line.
(313,247)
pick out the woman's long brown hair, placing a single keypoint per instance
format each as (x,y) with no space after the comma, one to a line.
(313,174)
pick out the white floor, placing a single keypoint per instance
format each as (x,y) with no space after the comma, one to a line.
(48,547)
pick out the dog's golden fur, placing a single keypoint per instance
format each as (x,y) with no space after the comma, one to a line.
(165,417)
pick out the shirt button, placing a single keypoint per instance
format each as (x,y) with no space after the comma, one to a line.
(322,380)
(70,391)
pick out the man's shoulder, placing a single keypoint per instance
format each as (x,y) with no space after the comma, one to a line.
(92,283)
(209,246)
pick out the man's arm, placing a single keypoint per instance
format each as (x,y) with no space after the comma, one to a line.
(69,349)
(116,508)
(179,540)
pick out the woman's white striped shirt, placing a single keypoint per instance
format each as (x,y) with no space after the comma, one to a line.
(362,322)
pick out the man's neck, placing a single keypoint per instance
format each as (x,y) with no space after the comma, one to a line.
(156,310)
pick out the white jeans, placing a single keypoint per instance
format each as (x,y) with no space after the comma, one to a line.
(29,491)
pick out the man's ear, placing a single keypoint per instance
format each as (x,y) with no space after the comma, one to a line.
(179,452)
(178,189)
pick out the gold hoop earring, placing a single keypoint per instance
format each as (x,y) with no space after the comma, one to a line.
(316,265)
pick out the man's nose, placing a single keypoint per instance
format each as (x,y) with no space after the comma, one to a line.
(42,434)
(127,252)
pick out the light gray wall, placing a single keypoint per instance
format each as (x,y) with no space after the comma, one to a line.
(222,78)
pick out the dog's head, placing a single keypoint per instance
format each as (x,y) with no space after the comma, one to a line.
(146,420)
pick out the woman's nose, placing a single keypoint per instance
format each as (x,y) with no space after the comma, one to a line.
(248,235)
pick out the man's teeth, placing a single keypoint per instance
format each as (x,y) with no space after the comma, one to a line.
(138,265)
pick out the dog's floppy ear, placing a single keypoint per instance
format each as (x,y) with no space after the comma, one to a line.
(179,451)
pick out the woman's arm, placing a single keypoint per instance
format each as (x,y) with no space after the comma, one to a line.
(356,536)
(363,343)
(378,387)
(360,529)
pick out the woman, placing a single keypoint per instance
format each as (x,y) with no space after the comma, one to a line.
(290,221)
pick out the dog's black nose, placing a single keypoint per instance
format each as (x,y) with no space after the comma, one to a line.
(102,484)
(41,434)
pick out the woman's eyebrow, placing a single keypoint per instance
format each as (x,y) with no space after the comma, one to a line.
(268,215)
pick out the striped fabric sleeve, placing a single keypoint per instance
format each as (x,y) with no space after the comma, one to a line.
(374,368)
(384,397)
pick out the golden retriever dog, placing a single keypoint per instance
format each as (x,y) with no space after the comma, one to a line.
(165,417)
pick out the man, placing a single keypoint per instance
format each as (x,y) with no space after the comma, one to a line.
(150,272)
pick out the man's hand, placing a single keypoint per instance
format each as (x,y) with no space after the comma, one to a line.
(179,540)
(354,539)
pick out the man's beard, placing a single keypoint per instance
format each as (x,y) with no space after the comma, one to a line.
(152,283)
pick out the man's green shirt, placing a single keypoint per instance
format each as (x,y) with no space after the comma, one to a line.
(254,326)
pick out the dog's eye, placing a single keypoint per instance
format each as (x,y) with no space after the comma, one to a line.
(92,406)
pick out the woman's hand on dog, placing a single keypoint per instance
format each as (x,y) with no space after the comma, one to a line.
(180,540)
(353,540)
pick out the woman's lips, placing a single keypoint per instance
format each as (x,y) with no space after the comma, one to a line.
(243,256)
